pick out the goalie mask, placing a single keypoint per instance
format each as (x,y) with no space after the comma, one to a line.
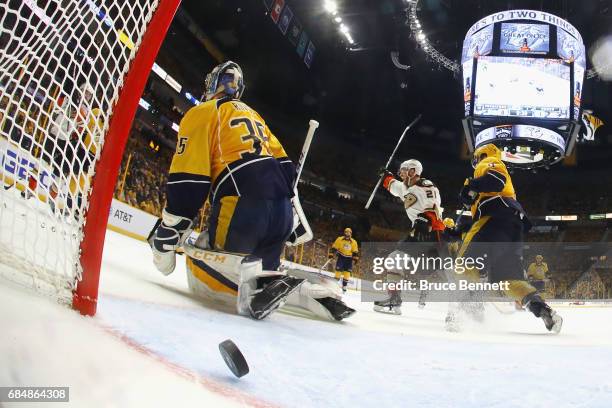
(225,78)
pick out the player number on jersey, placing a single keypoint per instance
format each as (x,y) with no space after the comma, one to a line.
(255,134)
(181,144)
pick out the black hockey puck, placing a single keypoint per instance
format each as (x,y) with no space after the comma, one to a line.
(233,358)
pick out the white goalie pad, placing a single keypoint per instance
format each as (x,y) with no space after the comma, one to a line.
(315,287)
(224,277)
(301,229)
(321,285)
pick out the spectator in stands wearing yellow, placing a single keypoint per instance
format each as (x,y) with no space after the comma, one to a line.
(347,250)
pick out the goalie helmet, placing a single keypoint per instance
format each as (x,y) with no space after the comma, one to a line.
(412,164)
(225,78)
(484,152)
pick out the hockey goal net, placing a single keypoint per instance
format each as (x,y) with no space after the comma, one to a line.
(71,75)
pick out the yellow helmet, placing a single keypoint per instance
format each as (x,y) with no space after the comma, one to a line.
(350,231)
(449,223)
(486,151)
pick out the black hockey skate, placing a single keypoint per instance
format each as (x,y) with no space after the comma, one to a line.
(539,308)
(273,296)
(391,305)
(338,309)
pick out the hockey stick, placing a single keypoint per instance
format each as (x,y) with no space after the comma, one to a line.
(302,232)
(324,266)
(312,127)
(380,180)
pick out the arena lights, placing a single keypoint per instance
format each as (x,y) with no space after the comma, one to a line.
(561,218)
(416,29)
(332,8)
(147,106)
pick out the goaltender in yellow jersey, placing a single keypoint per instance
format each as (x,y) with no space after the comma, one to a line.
(226,153)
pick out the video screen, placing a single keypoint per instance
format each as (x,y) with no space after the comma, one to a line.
(525,38)
(467,85)
(522,87)
(570,49)
(479,43)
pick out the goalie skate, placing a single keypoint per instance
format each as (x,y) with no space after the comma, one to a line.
(337,308)
(273,296)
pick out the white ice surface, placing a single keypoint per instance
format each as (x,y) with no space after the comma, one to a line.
(152,344)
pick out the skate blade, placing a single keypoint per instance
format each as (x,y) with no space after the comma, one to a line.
(382,309)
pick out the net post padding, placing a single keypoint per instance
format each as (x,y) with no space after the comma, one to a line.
(85,296)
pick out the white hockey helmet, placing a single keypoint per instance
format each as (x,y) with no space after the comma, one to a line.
(412,164)
(226,78)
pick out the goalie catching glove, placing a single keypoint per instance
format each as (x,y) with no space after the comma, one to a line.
(167,236)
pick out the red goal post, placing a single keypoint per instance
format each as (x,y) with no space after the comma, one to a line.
(71,75)
(86,293)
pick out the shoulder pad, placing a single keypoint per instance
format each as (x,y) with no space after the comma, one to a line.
(424,183)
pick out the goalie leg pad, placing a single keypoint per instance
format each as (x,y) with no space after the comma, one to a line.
(325,307)
(320,295)
(228,277)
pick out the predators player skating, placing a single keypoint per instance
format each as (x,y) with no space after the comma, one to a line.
(226,153)
(499,223)
(346,249)
(422,203)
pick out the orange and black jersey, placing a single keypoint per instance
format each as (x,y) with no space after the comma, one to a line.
(225,148)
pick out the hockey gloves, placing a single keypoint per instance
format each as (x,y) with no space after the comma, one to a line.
(467,196)
(169,236)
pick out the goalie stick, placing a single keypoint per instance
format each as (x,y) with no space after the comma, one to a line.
(312,127)
(390,160)
(302,232)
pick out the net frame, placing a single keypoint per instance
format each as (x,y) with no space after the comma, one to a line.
(120,112)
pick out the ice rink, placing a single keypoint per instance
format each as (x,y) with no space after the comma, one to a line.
(152,344)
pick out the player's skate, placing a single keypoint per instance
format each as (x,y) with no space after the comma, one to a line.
(273,296)
(392,305)
(452,323)
(539,308)
(422,298)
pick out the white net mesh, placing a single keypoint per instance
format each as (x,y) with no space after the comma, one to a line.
(62,64)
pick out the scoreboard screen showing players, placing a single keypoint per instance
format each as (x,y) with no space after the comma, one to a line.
(522,87)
